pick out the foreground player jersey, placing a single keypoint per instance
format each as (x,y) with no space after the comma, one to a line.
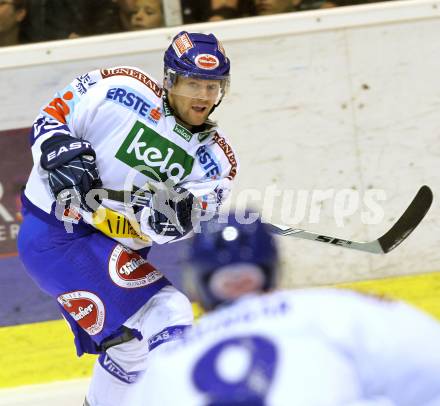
(122,113)
(303,348)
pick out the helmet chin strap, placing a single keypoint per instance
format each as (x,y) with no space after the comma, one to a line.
(215,106)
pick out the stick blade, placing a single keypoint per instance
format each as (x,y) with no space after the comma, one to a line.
(409,220)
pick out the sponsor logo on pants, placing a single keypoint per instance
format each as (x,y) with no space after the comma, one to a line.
(128,269)
(117,371)
(86,308)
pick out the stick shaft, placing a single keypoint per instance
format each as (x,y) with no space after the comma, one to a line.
(404,226)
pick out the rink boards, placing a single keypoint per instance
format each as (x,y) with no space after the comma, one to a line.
(44,352)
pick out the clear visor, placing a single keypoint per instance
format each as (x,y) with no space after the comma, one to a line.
(196,87)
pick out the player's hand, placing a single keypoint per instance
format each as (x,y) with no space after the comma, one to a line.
(171,212)
(71,166)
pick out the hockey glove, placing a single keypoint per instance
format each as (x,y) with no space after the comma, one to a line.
(71,164)
(171,212)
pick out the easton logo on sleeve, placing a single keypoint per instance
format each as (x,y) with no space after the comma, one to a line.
(153,155)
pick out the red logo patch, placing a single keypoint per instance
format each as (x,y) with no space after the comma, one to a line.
(86,309)
(155,114)
(140,76)
(182,44)
(129,270)
(207,61)
(71,215)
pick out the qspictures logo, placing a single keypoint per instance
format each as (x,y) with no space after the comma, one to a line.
(163,159)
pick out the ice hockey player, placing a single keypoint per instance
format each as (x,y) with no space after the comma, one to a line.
(308,347)
(119,129)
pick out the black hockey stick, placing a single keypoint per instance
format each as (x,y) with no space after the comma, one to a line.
(409,220)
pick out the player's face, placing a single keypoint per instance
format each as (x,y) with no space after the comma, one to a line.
(266,7)
(193,99)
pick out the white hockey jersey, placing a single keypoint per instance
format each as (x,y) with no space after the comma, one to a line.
(316,347)
(137,140)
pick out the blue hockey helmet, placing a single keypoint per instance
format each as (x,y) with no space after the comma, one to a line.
(229,259)
(199,56)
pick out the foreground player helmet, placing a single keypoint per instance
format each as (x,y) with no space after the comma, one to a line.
(228,260)
(199,56)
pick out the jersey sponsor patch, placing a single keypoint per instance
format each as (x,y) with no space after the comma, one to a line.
(166,335)
(220,194)
(128,269)
(183,132)
(83,83)
(182,44)
(86,308)
(61,107)
(207,61)
(115,225)
(155,115)
(71,215)
(202,136)
(166,108)
(221,142)
(134,101)
(140,76)
(154,156)
(116,370)
(209,163)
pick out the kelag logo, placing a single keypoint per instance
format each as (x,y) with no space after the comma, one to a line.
(183,132)
(145,147)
